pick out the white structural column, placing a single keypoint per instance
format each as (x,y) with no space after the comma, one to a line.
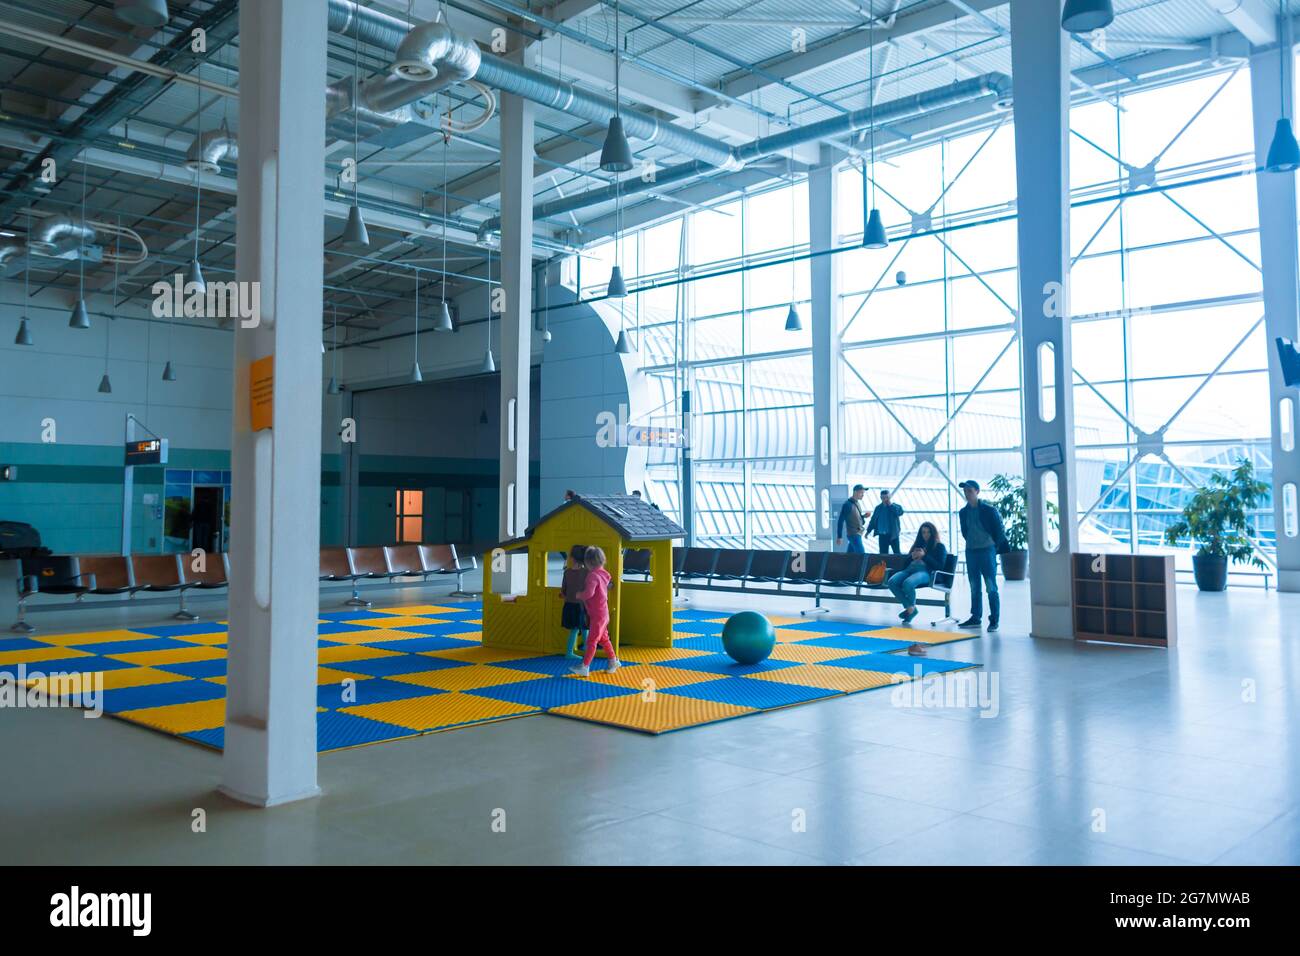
(516,320)
(1040,65)
(1270,74)
(825,345)
(270,745)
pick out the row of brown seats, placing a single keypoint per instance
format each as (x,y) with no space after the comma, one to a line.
(391,562)
(84,574)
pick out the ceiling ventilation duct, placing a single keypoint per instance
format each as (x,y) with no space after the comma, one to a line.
(208,151)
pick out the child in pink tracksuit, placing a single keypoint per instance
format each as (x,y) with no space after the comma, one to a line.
(595,596)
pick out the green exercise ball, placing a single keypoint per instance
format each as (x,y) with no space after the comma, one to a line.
(748,638)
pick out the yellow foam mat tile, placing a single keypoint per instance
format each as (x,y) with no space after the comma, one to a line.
(370,635)
(919,636)
(846,679)
(91,637)
(663,713)
(465,678)
(181,718)
(636,676)
(653,655)
(335,675)
(809,655)
(216,637)
(219,679)
(335,655)
(439,710)
(50,653)
(110,680)
(785,635)
(176,655)
(392,620)
(417,609)
(481,655)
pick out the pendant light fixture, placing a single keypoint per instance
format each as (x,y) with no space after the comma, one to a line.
(415,377)
(1284,151)
(106,386)
(792,321)
(443,324)
(616,154)
(80,319)
(489,363)
(355,233)
(169,373)
(617,288)
(546,308)
(1084,16)
(873,227)
(194,276)
(141,13)
(333,387)
(24,336)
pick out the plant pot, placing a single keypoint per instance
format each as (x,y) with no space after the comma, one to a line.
(1015,565)
(1210,571)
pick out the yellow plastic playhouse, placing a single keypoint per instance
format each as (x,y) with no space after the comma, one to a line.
(630,532)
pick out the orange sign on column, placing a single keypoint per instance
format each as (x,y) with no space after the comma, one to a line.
(261,392)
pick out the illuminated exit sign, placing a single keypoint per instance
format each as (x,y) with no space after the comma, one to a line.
(150,452)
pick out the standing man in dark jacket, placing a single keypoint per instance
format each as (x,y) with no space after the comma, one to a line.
(885,523)
(981,526)
(851,522)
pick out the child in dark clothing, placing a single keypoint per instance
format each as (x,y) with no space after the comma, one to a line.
(574,614)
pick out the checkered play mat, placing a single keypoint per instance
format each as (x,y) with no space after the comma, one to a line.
(406,671)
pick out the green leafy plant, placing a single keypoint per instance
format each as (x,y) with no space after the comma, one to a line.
(1012,502)
(1217,517)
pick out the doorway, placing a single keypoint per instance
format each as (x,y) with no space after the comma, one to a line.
(209,507)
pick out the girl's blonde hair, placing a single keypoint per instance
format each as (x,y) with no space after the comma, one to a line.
(594,558)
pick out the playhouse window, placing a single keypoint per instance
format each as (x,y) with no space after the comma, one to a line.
(636,564)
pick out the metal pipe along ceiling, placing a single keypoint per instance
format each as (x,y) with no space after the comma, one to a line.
(895,111)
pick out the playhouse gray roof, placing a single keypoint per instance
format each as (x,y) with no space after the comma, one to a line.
(631,517)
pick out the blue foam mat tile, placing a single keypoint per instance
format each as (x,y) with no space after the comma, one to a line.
(20,644)
(749,692)
(548,692)
(132,646)
(64,665)
(339,627)
(183,630)
(374,691)
(723,664)
(833,627)
(847,642)
(698,614)
(899,664)
(389,666)
(161,695)
(704,642)
(335,730)
(360,614)
(213,668)
(419,645)
(216,737)
(697,627)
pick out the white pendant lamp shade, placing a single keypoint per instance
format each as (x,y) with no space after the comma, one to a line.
(1284,151)
(141,13)
(616,153)
(874,236)
(333,387)
(105,386)
(792,321)
(80,318)
(169,373)
(546,335)
(624,344)
(194,277)
(443,322)
(617,287)
(1084,16)
(489,363)
(24,336)
(354,233)
(415,378)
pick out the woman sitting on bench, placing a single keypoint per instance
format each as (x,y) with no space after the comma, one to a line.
(928,556)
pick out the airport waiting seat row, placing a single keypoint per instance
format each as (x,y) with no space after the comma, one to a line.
(739,570)
(392,562)
(82,574)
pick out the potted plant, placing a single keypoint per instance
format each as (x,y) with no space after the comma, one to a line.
(1012,502)
(1218,519)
